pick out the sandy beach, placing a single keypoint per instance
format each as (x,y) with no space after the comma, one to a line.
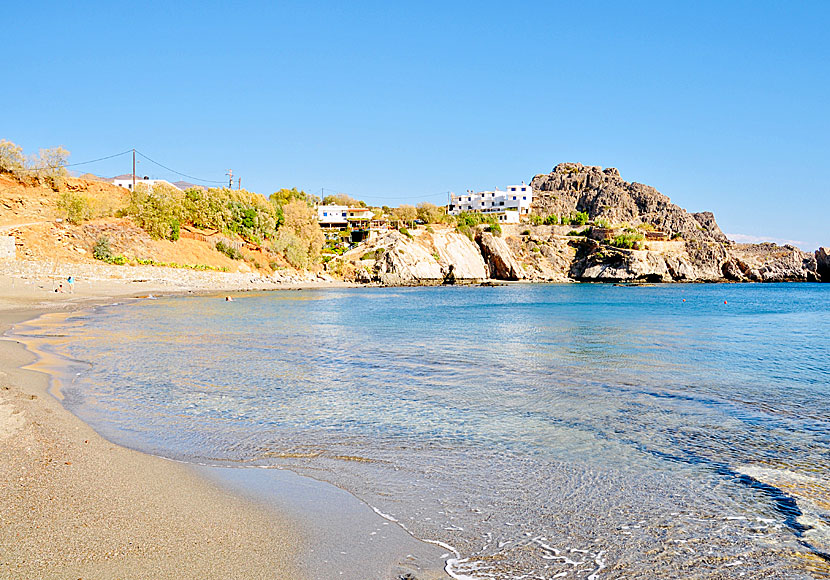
(77,506)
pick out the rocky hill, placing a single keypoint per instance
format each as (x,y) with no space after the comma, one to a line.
(603,194)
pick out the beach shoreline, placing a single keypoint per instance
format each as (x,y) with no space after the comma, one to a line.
(76,505)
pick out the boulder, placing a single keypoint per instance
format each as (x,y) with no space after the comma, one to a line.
(500,260)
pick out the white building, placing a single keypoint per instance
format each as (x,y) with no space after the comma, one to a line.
(126,181)
(516,198)
(342,216)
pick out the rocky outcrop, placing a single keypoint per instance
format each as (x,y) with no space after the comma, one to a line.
(457,252)
(395,259)
(603,194)
(599,263)
(771,263)
(823,264)
(499,258)
(403,262)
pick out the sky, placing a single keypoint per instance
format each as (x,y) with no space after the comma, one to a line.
(722,106)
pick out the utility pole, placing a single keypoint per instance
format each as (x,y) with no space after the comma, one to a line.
(133,169)
(230,178)
(239,184)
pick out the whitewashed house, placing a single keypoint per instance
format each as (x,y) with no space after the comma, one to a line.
(126,181)
(510,204)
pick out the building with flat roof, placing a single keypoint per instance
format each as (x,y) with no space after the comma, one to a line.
(126,181)
(516,198)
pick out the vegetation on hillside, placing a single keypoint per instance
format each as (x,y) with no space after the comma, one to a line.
(45,168)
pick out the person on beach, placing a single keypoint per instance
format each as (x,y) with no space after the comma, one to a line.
(71,283)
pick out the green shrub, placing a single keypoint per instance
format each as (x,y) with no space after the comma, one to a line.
(584,232)
(229,251)
(75,207)
(495,229)
(525,232)
(628,240)
(467,231)
(101,250)
(602,223)
(644,227)
(405,232)
(578,218)
(536,219)
(175,230)
(551,220)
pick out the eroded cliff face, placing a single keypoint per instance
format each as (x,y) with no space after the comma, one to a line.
(603,194)
(395,259)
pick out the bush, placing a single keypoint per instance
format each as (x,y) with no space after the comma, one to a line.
(229,251)
(583,232)
(293,247)
(526,232)
(628,240)
(101,250)
(175,230)
(495,229)
(644,227)
(578,218)
(536,219)
(406,232)
(551,220)
(75,207)
(602,223)
(467,231)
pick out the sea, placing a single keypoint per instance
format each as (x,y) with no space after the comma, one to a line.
(536,431)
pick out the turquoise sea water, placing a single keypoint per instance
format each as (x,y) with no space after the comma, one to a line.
(542,431)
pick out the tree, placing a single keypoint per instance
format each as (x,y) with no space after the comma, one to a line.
(300,238)
(283,196)
(49,166)
(11,158)
(405,213)
(342,199)
(429,213)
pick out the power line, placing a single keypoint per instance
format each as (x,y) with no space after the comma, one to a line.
(96,160)
(177,172)
(324,189)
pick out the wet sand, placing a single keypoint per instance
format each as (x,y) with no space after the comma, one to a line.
(73,505)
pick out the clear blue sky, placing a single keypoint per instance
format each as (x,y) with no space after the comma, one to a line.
(722,106)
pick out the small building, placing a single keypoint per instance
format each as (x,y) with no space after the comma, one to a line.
(515,198)
(357,220)
(508,217)
(126,181)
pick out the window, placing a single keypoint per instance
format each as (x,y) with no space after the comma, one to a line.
(514,198)
(325,214)
(524,198)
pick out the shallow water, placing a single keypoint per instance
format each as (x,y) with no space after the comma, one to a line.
(557,431)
